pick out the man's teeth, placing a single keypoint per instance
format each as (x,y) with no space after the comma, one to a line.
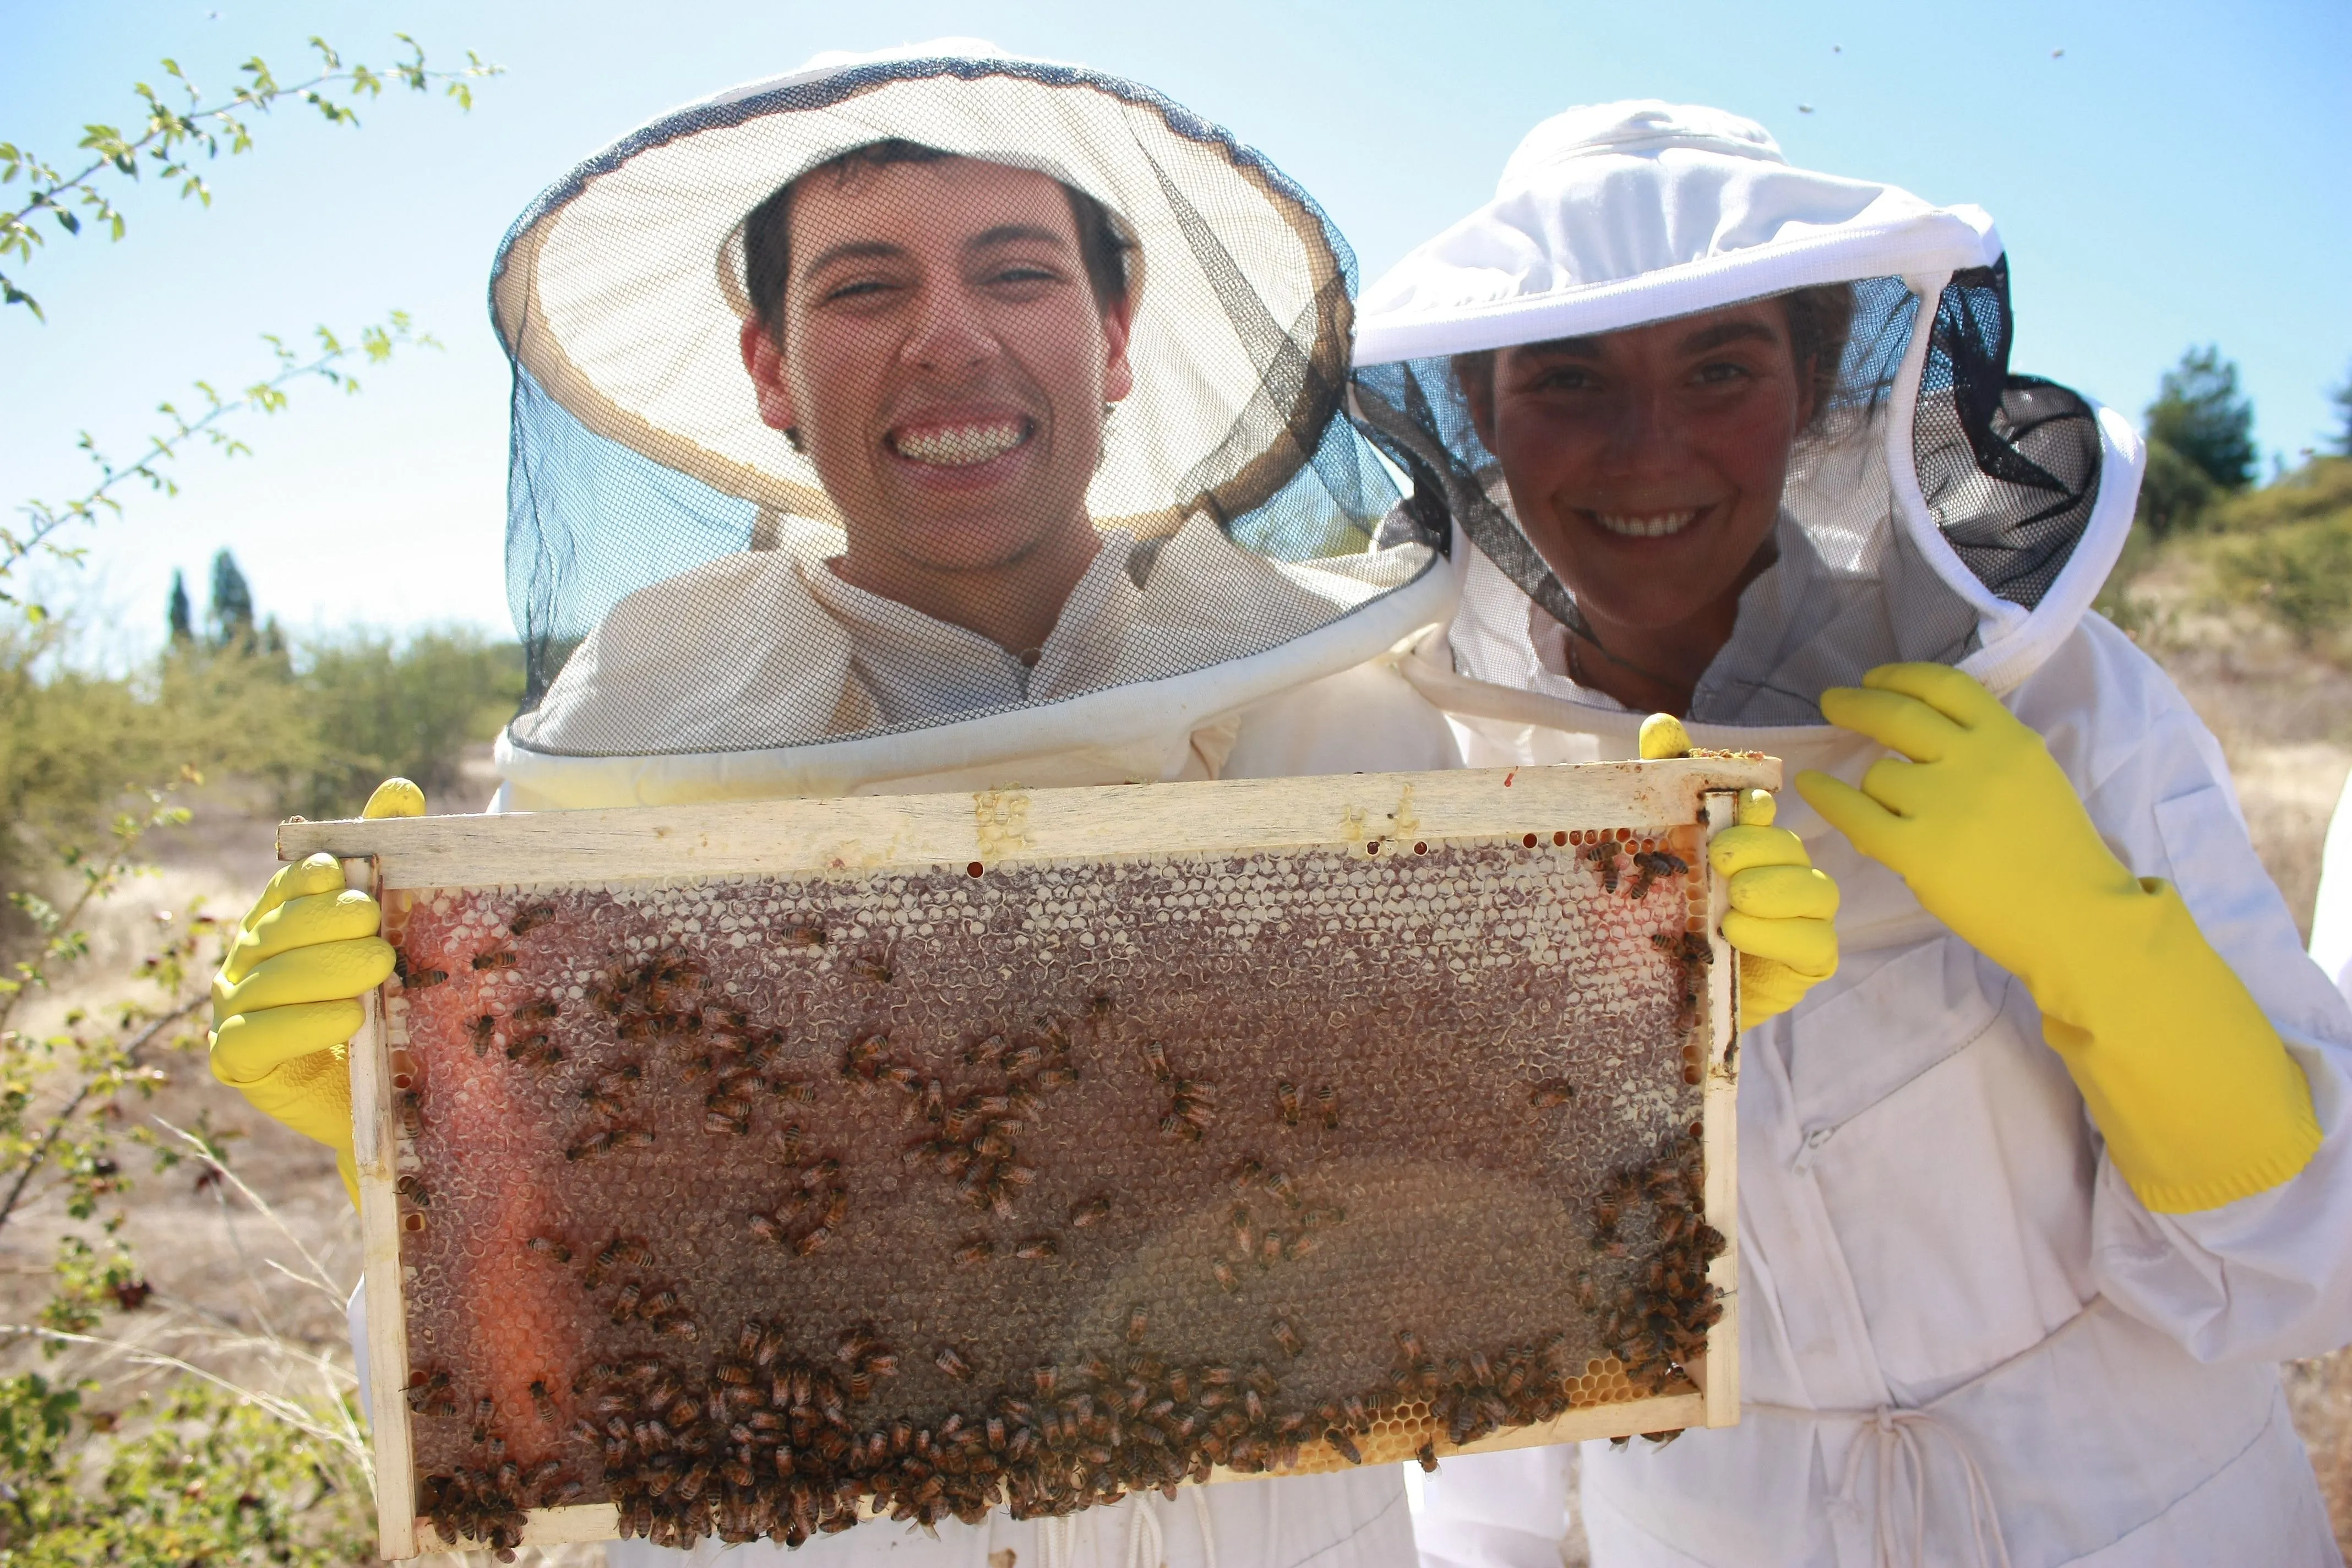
(959,445)
(1655,526)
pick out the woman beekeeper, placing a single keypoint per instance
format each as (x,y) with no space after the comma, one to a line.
(2040,1184)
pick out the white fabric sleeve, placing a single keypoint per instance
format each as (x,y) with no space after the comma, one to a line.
(1496,1511)
(2267,1277)
(2331,916)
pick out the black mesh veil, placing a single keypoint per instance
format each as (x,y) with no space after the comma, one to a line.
(2007,469)
(704,563)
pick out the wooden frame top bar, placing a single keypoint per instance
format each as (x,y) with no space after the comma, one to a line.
(863,834)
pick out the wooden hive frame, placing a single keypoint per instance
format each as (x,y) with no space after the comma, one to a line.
(883,834)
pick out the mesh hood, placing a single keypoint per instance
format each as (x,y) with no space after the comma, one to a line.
(1937,507)
(684,552)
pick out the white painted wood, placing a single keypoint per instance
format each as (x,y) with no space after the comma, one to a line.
(873,833)
(1720,1376)
(375,1142)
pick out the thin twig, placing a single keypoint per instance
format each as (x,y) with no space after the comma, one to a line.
(319,1271)
(277,1405)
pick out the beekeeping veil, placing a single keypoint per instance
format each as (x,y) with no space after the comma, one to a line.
(669,554)
(1937,507)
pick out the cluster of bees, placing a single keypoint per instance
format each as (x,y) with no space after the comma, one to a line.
(485,1500)
(1655,1328)
(975,1136)
(758,1442)
(1265,1245)
(1608,856)
(769,1444)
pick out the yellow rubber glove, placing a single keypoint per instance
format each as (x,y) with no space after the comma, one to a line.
(1780,919)
(2198,1100)
(286,1001)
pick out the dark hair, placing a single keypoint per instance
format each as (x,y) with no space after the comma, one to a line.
(1820,320)
(768,240)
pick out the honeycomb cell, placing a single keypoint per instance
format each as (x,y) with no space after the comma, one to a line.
(759,1205)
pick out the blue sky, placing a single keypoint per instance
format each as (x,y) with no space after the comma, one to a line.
(2175,176)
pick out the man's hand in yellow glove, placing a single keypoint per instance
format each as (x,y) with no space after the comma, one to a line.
(1780,919)
(2187,1079)
(286,1001)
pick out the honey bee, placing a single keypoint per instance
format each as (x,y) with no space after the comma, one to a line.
(1322,1219)
(1245,1238)
(1287,1338)
(1427,1455)
(678,1327)
(1551,1094)
(813,1241)
(766,1228)
(415,979)
(862,1058)
(411,1187)
(528,918)
(1652,865)
(1269,1249)
(1226,1279)
(1285,1101)
(1037,1248)
(1155,1057)
(1408,1345)
(1602,854)
(542,1399)
(1299,1247)
(877,970)
(720,1122)
(625,1302)
(547,1247)
(1588,1295)
(1091,1212)
(411,1108)
(426,1390)
(633,1138)
(1137,1325)
(1284,1186)
(1685,946)
(1662,1438)
(801,936)
(787,1141)
(495,958)
(1179,1128)
(974,1252)
(1024,1059)
(1328,1098)
(537,1012)
(947,1360)
(479,1031)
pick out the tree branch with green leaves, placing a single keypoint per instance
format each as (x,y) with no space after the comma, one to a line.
(178,135)
(207,424)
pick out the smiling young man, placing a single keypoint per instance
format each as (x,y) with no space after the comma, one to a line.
(1020,490)
(941,336)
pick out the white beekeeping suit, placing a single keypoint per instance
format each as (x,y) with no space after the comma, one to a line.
(686,581)
(2331,918)
(1964,1337)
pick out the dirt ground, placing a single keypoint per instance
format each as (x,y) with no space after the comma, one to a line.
(226,1278)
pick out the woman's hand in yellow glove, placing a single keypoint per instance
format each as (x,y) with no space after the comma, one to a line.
(2197,1097)
(1781,920)
(286,1001)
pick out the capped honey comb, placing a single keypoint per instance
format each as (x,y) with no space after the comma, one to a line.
(752,1205)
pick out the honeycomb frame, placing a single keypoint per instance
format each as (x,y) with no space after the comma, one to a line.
(1007,831)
